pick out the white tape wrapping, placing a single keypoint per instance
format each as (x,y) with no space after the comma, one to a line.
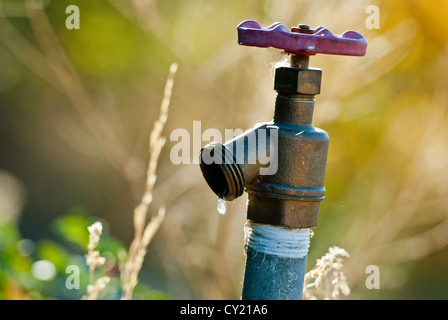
(278,241)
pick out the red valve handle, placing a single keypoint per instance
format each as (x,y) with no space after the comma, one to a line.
(302,41)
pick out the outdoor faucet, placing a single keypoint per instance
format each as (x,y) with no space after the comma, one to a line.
(284,193)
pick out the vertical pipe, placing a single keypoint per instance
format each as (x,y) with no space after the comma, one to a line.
(275,262)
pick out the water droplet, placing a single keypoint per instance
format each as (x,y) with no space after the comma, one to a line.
(222,206)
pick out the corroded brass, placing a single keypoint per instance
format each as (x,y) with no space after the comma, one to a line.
(292,195)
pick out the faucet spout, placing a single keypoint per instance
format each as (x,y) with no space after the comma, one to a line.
(228,168)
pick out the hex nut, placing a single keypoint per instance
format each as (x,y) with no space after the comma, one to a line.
(297,80)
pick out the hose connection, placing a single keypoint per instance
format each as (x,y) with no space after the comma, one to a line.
(229,167)
(224,176)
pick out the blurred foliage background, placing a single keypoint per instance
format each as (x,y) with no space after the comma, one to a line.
(77,108)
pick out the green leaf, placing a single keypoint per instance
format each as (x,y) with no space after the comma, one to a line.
(9,235)
(143,292)
(48,250)
(73,228)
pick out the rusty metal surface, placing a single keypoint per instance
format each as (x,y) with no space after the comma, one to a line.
(226,178)
(240,161)
(298,80)
(291,197)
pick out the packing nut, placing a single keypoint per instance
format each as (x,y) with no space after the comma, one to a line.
(297,80)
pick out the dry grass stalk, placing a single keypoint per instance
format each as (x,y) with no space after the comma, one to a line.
(329,264)
(94,260)
(144,232)
(72,86)
(94,290)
